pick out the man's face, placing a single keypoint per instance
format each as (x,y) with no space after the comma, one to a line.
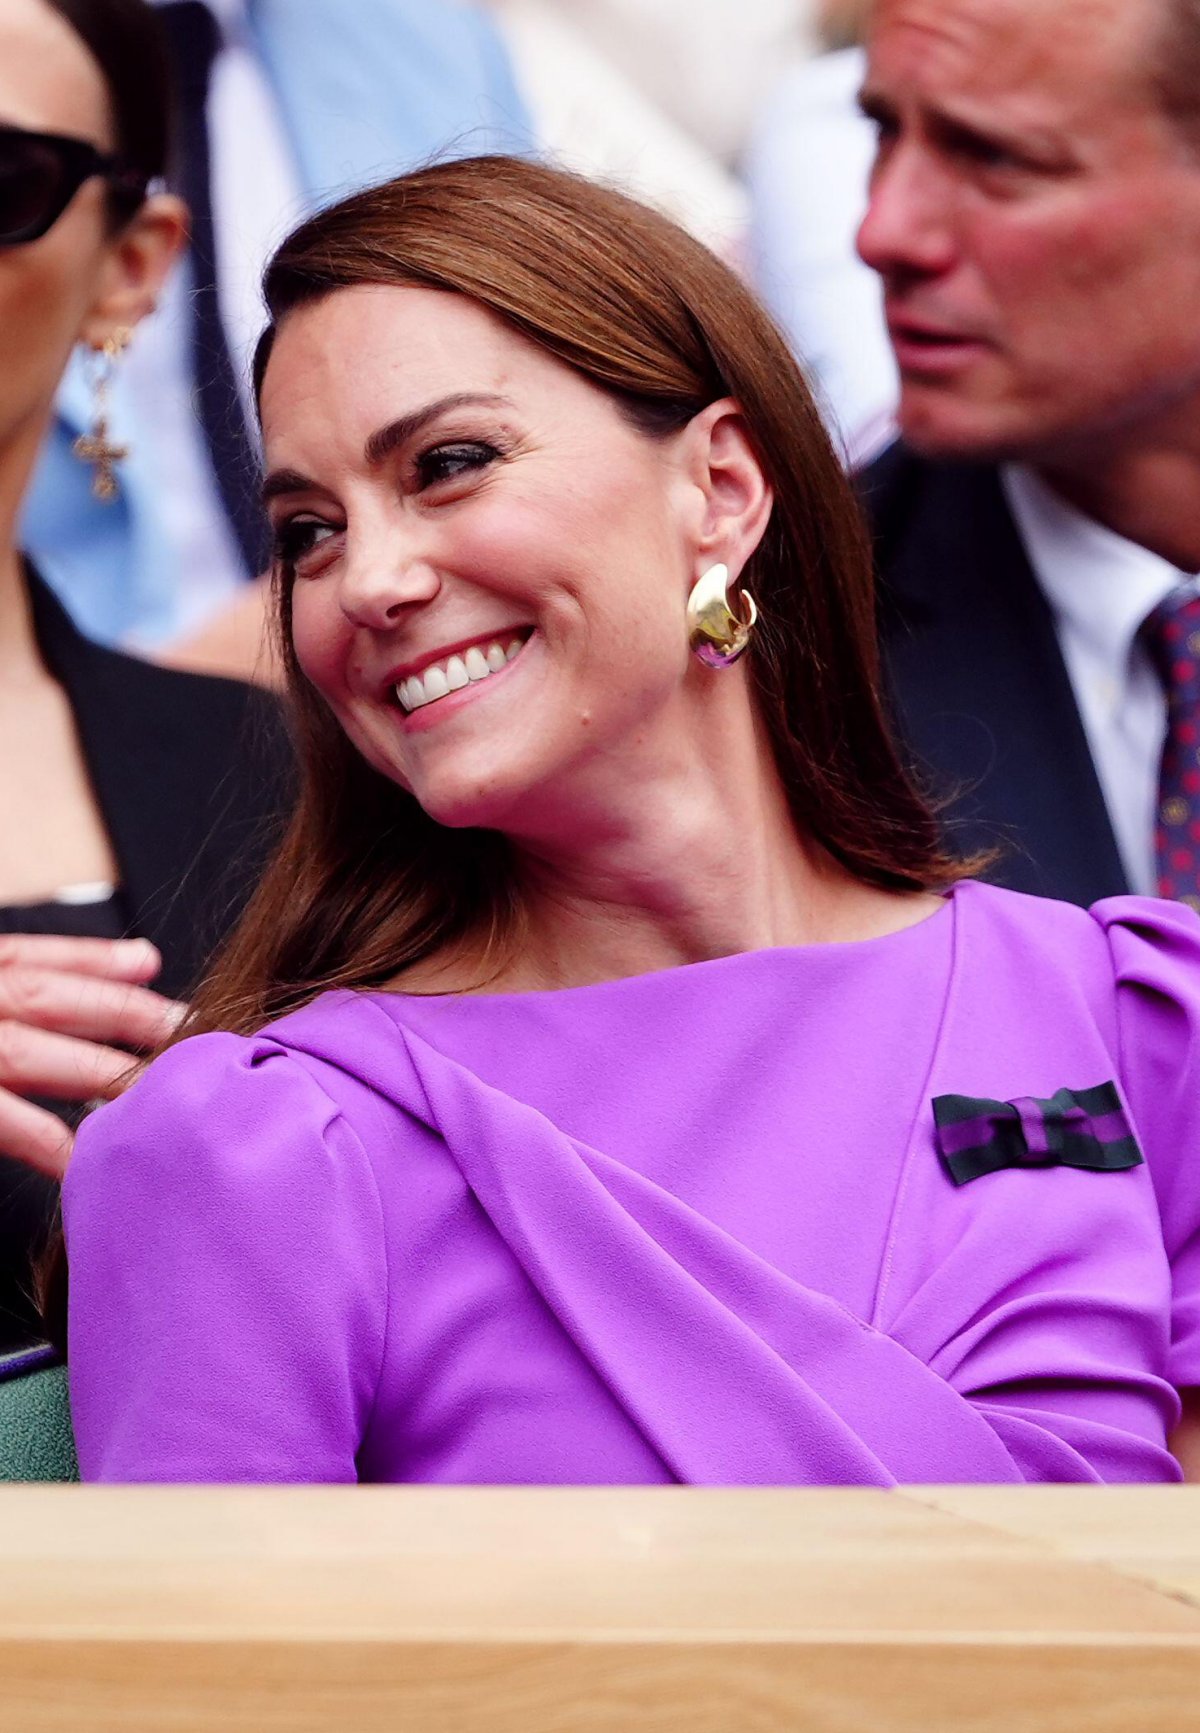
(1035,217)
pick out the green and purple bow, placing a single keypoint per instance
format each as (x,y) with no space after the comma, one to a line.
(1084,1128)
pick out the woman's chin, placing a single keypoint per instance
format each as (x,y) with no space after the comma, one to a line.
(471,805)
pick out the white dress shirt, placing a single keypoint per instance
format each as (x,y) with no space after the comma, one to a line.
(256,199)
(1100,588)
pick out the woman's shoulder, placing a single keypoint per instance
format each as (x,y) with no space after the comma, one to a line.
(1131,966)
(1152,941)
(331,1031)
(1125,934)
(222,1102)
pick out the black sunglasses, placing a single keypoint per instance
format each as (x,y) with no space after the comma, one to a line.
(40,173)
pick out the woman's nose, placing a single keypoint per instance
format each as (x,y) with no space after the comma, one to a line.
(379,585)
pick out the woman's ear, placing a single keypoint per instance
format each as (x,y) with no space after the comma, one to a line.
(135,268)
(735,495)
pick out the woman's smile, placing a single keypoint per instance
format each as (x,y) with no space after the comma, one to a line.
(461,673)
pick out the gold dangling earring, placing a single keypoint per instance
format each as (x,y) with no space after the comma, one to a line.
(716,635)
(95,446)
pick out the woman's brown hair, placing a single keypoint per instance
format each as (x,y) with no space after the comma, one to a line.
(125,39)
(363,882)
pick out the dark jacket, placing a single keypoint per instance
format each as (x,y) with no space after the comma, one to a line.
(980,691)
(192,776)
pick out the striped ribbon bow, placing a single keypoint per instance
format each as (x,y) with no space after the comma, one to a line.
(1085,1128)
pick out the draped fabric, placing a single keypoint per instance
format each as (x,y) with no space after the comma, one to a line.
(542,1237)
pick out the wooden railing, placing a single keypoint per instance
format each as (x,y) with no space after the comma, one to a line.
(430,1610)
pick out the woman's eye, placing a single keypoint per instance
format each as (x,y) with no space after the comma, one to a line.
(444,462)
(299,536)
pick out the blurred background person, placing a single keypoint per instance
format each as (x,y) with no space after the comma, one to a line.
(706,65)
(590,114)
(1035,222)
(132,799)
(282,105)
(806,167)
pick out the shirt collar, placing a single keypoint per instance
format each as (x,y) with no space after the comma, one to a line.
(1097,583)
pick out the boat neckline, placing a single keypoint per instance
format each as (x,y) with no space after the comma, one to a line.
(843,947)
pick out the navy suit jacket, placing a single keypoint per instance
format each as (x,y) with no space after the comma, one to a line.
(980,692)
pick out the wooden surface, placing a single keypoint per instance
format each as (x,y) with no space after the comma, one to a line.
(1018,1610)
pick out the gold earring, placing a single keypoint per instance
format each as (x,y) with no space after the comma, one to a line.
(716,635)
(95,446)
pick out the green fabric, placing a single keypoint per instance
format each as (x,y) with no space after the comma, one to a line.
(36,1441)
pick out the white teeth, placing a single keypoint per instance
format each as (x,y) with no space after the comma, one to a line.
(441,678)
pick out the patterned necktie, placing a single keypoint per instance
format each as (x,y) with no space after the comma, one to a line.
(193,39)
(1171,635)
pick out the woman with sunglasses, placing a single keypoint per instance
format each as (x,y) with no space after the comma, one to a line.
(124,790)
(613,1078)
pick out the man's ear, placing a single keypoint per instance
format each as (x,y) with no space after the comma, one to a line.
(135,267)
(735,496)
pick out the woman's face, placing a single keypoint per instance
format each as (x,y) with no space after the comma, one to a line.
(48,83)
(491,565)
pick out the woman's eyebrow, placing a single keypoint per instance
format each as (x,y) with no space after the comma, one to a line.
(382,443)
(397,433)
(285,481)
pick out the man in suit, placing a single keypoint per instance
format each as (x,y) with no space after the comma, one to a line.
(1035,219)
(283,105)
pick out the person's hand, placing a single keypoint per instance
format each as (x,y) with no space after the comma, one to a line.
(67,1009)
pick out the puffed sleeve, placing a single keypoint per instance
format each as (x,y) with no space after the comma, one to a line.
(227,1274)
(1156,957)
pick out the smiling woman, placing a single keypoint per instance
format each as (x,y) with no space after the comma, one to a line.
(612,1079)
(585,467)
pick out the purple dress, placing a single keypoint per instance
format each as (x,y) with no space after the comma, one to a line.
(866,1213)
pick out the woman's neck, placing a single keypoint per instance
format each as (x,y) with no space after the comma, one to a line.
(690,892)
(20,659)
(681,864)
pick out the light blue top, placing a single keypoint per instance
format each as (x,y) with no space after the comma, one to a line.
(365,90)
